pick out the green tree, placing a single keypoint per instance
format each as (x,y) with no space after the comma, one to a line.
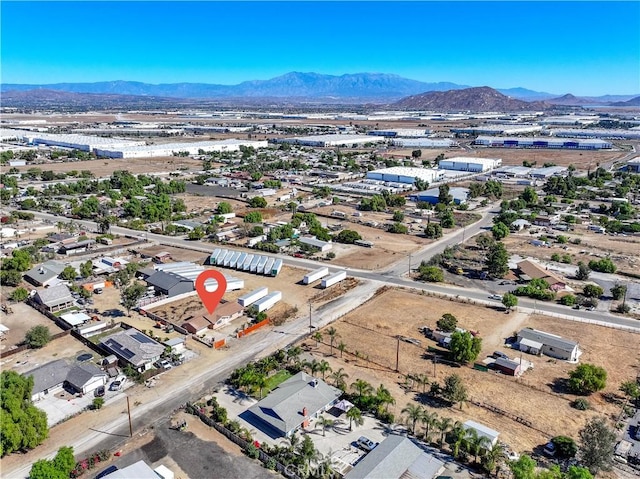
(605,265)
(583,271)
(431,274)
(509,301)
(131,295)
(497,260)
(568,300)
(347,237)
(447,220)
(500,231)
(447,323)
(361,387)
(443,195)
(196,234)
(414,413)
(333,335)
(86,269)
(523,468)
(398,216)
(464,347)
(454,390)
(576,472)
(597,442)
(631,390)
(618,291)
(19,295)
(23,425)
(433,231)
(592,291)
(253,217)
(20,260)
(10,277)
(587,378)
(97,403)
(38,336)
(69,273)
(257,202)
(530,196)
(565,447)
(398,228)
(224,208)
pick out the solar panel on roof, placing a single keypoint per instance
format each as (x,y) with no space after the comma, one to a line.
(141,338)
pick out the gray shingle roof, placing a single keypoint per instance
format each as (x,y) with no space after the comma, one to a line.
(133,346)
(547,339)
(394,458)
(81,374)
(282,408)
(45,272)
(48,375)
(164,280)
(55,295)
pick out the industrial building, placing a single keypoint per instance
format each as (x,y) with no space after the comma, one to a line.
(401,133)
(633,165)
(74,141)
(497,129)
(631,134)
(474,165)
(403,174)
(431,196)
(322,141)
(537,142)
(168,149)
(424,143)
(570,120)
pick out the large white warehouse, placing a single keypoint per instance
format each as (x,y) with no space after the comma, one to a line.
(401,133)
(475,165)
(544,142)
(168,149)
(498,129)
(597,133)
(424,142)
(403,174)
(331,140)
(78,142)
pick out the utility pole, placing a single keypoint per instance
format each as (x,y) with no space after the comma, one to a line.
(398,354)
(129,413)
(310,326)
(409,264)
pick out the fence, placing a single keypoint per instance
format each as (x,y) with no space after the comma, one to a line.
(252,328)
(24,347)
(162,320)
(264,457)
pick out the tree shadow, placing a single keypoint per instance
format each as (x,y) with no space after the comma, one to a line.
(560,386)
(432,401)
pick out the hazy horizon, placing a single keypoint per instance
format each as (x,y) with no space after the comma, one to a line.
(583,48)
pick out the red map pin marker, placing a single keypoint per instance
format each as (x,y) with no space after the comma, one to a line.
(211,299)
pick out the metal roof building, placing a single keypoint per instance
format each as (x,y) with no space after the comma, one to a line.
(536,342)
(168,149)
(475,165)
(483,431)
(542,142)
(404,174)
(331,140)
(424,142)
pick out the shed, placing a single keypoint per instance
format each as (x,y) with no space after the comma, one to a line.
(551,344)
(508,366)
(75,319)
(483,431)
(177,345)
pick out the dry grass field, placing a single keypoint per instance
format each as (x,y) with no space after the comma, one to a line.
(535,397)
(582,160)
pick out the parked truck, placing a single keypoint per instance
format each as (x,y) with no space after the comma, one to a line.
(315,275)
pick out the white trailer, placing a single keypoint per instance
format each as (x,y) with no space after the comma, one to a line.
(247,262)
(269,266)
(277,266)
(240,262)
(268,301)
(250,298)
(234,259)
(262,264)
(315,275)
(216,253)
(227,258)
(333,279)
(254,264)
(234,284)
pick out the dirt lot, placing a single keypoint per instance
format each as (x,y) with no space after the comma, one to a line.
(177,254)
(23,318)
(582,160)
(102,168)
(624,251)
(535,397)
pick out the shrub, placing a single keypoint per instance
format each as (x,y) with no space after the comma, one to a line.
(581,404)
(605,265)
(587,379)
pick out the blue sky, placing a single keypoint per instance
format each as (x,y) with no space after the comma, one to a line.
(586,48)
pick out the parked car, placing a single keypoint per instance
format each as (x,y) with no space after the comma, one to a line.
(549,449)
(500,354)
(496,297)
(99,391)
(98,291)
(164,364)
(106,472)
(366,443)
(115,386)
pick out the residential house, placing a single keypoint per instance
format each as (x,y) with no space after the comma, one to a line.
(529,270)
(538,342)
(483,431)
(546,220)
(315,243)
(223,314)
(133,347)
(56,298)
(197,324)
(394,458)
(292,404)
(78,247)
(520,224)
(169,284)
(53,377)
(44,274)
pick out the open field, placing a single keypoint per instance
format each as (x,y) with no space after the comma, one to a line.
(582,160)
(536,397)
(23,318)
(105,167)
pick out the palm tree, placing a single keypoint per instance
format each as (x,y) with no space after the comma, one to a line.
(429,419)
(458,433)
(294,353)
(414,414)
(333,334)
(307,451)
(292,441)
(324,423)
(444,426)
(313,366)
(475,444)
(493,457)
(341,347)
(355,415)
(423,380)
(260,381)
(362,387)
(338,378)
(317,337)
(324,367)
(384,397)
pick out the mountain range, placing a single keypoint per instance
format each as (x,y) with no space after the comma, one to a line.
(296,87)
(468,99)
